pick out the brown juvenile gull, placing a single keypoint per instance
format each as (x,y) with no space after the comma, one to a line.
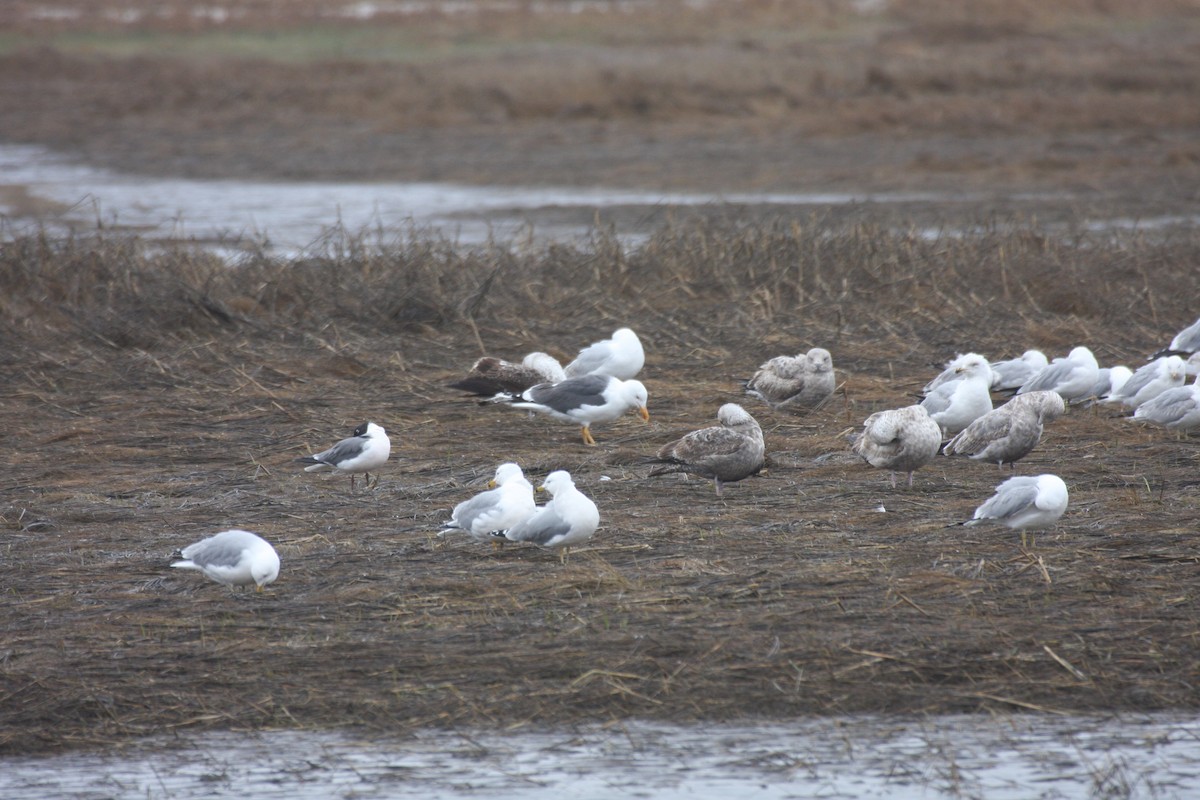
(1010,432)
(567,520)
(621,356)
(583,400)
(234,558)
(366,450)
(900,440)
(490,376)
(726,453)
(793,383)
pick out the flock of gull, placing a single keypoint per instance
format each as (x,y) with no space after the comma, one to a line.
(956,416)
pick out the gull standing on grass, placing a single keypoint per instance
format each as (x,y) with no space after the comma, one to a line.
(1024,503)
(1072,376)
(794,383)
(583,401)
(368,449)
(568,519)
(955,404)
(1010,432)
(903,439)
(726,453)
(234,558)
(508,501)
(621,356)
(489,376)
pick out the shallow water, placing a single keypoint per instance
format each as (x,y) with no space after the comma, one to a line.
(1026,756)
(290,217)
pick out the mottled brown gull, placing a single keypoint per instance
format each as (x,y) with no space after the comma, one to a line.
(490,376)
(794,383)
(726,453)
(1010,432)
(900,440)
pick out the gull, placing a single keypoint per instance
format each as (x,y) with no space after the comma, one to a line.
(1072,376)
(584,400)
(508,501)
(1176,409)
(953,372)
(1010,432)
(621,357)
(791,383)
(1186,342)
(955,404)
(1007,376)
(1108,381)
(366,450)
(234,558)
(726,453)
(569,518)
(1149,381)
(903,439)
(489,375)
(1024,503)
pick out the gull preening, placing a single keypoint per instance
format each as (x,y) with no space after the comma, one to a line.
(1010,432)
(621,357)
(900,440)
(1072,376)
(368,449)
(490,376)
(584,401)
(956,403)
(953,372)
(568,519)
(726,453)
(1024,503)
(233,557)
(794,383)
(507,502)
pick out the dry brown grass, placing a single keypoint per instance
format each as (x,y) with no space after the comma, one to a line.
(154,398)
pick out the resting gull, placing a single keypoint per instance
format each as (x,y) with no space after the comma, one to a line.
(955,404)
(366,450)
(1109,380)
(726,453)
(903,439)
(234,558)
(1024,503)
(1007,376)
(793,383)
(953,372)
(489,376)
(1149,381)
(1010,432)
(1072,376)
(508,501)
(621,357)
(1186,342)
(584,400)
(1176,409)
(567,520)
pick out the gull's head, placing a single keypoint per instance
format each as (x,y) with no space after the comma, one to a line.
(820,359)
(973,367)
(636,393)
(731,414)
(505,473)
(265,568)
(369,429)
(557,481)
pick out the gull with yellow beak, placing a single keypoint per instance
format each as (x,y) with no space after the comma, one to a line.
(584,400)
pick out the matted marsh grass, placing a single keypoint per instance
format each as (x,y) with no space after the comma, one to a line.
(155,396)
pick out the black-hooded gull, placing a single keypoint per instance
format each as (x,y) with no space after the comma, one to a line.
(368,449)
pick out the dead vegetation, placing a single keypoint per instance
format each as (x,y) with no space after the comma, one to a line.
(154,397)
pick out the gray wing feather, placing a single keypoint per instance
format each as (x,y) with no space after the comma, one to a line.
(587,390)
(542,527)
(224,552)
(1012,499)
(344,450)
